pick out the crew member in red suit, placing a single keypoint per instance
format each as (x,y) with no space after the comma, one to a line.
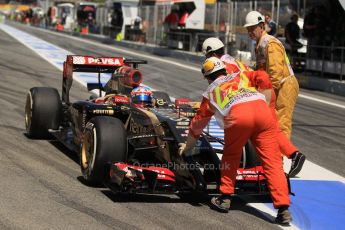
(213,47)
(245,116)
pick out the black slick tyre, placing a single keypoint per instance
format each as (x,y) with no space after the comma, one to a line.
(250,157)
(43,111)
(104,140)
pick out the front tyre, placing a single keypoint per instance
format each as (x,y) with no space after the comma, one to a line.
(104,140)
(250,158)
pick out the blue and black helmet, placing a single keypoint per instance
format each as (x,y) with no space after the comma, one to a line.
(141,94)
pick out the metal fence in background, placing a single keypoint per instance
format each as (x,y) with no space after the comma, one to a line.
(326,60)
(225,20)
(152,22)
(102,19)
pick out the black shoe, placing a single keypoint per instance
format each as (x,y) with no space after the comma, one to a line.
(284,216)
(296,164)
(221,203)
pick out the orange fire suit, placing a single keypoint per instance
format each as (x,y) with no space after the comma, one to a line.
(261,81)
(271,57)
(238,106)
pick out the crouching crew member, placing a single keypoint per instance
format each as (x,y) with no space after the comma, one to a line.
(245,116)
(213,47)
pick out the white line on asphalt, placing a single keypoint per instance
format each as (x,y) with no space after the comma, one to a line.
(119,49)
(321,101)
(312,171)
(269,212)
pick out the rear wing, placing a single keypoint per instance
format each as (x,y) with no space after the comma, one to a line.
(76,63)
(88,64)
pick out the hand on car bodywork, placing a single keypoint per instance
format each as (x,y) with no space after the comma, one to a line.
(185,147)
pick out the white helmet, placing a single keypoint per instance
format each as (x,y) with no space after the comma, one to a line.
(254,18)
(212,65)
(211,44)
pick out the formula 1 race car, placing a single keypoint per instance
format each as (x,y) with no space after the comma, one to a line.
(129,147)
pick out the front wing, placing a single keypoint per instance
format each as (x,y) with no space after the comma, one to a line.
(123,177)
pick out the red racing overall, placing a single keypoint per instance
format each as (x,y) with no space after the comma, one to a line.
(245,115)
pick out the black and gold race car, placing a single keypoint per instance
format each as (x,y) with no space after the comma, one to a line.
(129,148)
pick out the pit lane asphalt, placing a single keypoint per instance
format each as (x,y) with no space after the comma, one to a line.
(41,187)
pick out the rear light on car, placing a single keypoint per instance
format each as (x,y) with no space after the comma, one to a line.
(152,141)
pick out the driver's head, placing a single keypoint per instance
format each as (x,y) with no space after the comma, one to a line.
(142,95)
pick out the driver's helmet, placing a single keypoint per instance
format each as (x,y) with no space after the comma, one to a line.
(141,95)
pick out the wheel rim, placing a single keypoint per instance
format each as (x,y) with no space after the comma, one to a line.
(28,112)
(88,152)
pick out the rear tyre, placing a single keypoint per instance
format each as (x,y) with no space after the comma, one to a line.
(104,140)
(43,111)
